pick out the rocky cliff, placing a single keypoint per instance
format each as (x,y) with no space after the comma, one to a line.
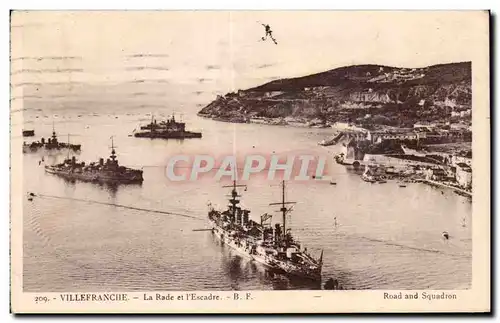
(365,94)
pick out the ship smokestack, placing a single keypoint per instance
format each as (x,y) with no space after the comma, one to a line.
(239,216)
(73,160)
(101,161)
(277,232)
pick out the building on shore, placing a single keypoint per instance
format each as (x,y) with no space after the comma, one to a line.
(424,126)
(464,175)
(347,126)
(398,162)
(399,134)
(272,94)
(458,159)
(352,151)
(436,174)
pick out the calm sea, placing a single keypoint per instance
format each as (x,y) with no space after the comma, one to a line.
(386,237)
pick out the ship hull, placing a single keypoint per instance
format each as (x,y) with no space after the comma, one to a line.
(96,177)
(279,268)
(168,135)
(282,269)
(34,148)
(219,235)
(263,261)
(314,276)
(222,235)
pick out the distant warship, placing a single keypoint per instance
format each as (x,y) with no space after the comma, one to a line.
(273,247)
(104,172)
(28,133)
(170,129)
(51,144)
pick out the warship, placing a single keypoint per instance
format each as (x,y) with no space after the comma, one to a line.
(103,172)
(275,247)
(28,133)
(170,129)
(51,144)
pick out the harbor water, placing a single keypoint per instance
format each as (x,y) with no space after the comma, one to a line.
(374,236)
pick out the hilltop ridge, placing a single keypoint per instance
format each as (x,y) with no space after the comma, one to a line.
(363,94)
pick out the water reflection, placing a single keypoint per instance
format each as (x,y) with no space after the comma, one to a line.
(240,269)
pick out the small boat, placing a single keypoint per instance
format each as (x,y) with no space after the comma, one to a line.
(368,176)
(402,185)
(333,183)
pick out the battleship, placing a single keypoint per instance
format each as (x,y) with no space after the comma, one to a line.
(275,247)
(50,144)
(102,172)
(170,129)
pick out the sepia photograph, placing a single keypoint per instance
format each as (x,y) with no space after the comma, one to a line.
(180,157)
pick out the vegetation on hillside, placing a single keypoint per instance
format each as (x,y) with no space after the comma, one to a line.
(364,94)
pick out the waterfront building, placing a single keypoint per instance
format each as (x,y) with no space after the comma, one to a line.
(464,175)
(400,134)
(436,174)
(351,150)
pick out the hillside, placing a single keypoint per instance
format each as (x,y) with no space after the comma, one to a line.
(365,94)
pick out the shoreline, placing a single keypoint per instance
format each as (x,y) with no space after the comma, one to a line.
(440,184)
(412,178)
(267,121)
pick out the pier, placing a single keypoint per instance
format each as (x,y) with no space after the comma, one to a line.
(440,184)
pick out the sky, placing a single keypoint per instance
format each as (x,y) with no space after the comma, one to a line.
(214,52)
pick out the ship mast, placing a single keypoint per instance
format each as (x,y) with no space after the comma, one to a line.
(234,194)
(68,147)
(152,122)
(113,152)
(53,131)
(283,208)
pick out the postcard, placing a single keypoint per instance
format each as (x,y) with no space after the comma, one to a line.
(250,161)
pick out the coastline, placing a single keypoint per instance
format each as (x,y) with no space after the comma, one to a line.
(329,142)
(440,184)
(267,121)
